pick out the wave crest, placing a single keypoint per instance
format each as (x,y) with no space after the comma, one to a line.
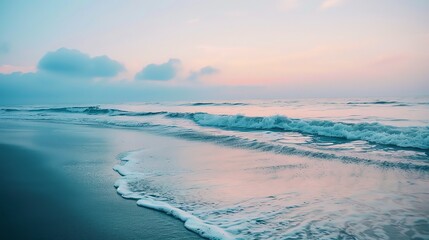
(411,137)
(90,110)
(414,137)
(216,104)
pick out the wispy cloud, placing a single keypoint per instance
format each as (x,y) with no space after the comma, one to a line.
(163,72)
(205,71)
(326,4)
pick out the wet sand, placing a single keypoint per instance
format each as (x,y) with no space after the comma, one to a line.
(58,184)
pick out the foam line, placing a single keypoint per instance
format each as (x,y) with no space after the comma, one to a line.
(190,221)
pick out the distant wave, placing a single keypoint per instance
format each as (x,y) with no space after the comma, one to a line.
(393,103)
(10,110)
(143,113)
(414,137)
(90,110)
(374,102)
(216,104)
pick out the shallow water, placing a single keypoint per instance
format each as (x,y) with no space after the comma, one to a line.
(315,169)
(253,194)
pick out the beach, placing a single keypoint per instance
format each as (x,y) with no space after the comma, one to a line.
(58,184)
(219,120)
(274,169)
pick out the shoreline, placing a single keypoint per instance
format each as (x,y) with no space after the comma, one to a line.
(191,222)
(274,189)
(59,184)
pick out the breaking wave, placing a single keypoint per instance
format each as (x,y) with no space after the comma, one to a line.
(217,104)
(236,141)
(408,137)
(90,110)
(262,146)
(413,137)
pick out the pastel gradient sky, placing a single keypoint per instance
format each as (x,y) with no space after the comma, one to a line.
(226,49)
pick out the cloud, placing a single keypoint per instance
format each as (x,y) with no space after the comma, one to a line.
(51,81)
(330,3)
(205,71)
(75,63)
(162,72)
(48,88)
(208,70)
(54,81)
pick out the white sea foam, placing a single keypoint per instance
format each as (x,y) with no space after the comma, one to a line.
(191,222)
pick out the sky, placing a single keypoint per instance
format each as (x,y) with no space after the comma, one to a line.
(110,51)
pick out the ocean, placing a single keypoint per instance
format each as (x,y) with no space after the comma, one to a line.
(272,169)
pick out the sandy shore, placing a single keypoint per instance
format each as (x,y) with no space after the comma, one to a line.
(58,184)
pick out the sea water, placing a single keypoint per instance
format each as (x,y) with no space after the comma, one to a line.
(273,169)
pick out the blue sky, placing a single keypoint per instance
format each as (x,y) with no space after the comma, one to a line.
(189,49)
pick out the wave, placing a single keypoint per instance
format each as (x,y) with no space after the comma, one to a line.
(136,114)
(234,141)
(217,104)
(263,146)
(393,103)
(411,137)
(96,110)
(90,110)
(374,102)
(10,110)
